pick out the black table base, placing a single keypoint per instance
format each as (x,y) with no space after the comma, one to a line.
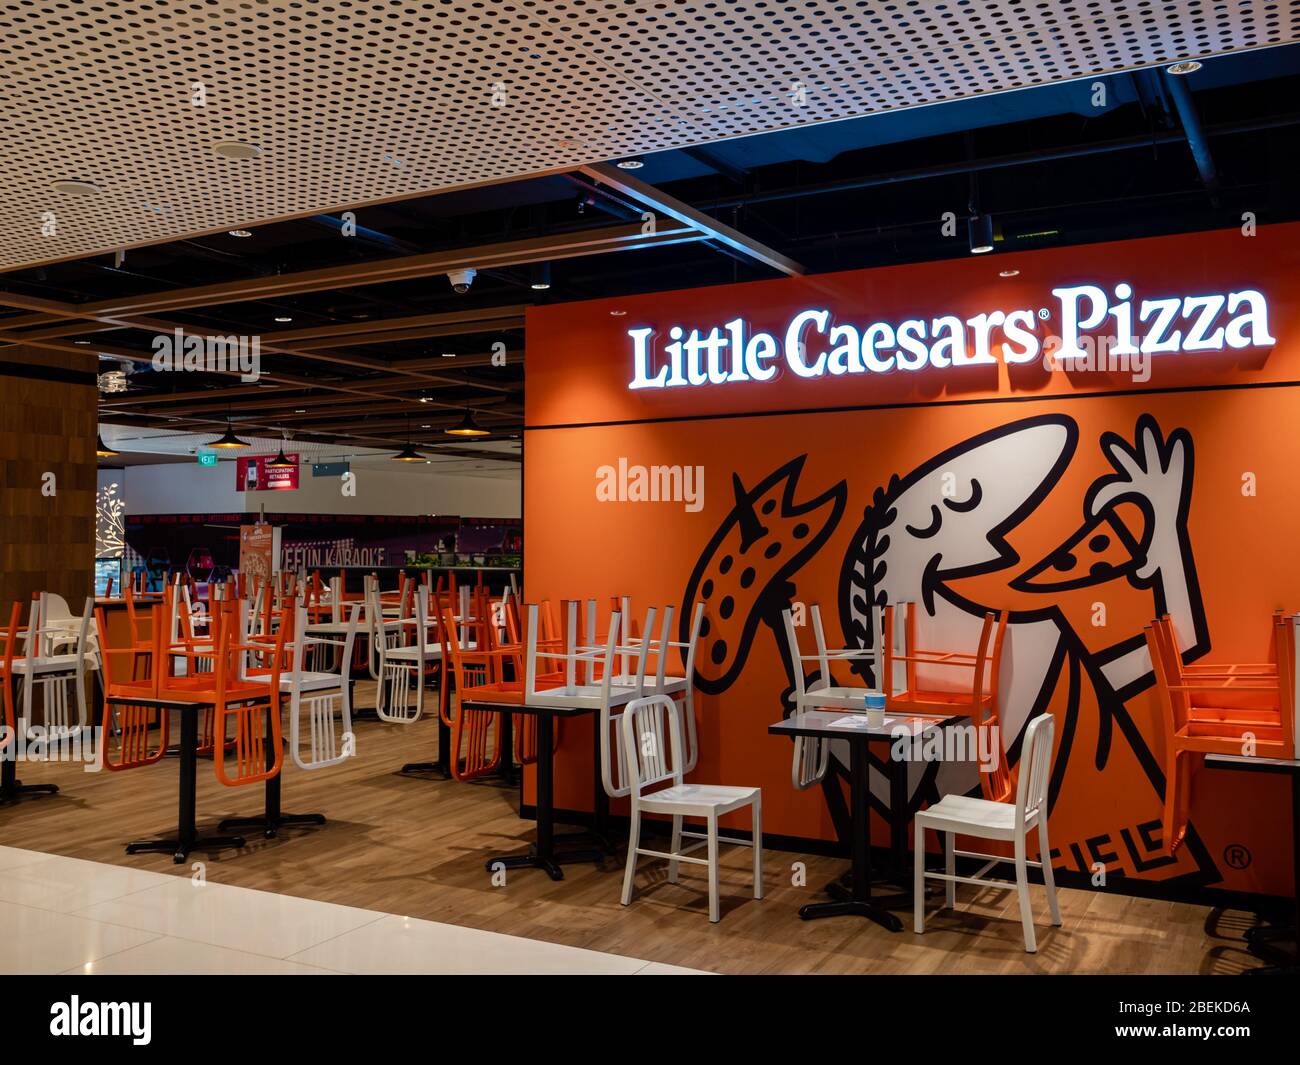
(271,820)
(180,849)
(542,854)
(11,788)
(550,863)
(871,910)
(856,899)
(1264,941)
(270,826)
(12,791)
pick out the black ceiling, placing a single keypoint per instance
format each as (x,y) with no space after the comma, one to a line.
(1050,166)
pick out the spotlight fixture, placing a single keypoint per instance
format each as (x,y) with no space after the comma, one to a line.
(980,229)
(73,187)
(102,449)
(467,427)
(630,164)
(1008,273)
(236,150)
(540,277)
(1187,66)
(229,440)
(239,233)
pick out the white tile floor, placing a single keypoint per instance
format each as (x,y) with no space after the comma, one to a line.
(65,915)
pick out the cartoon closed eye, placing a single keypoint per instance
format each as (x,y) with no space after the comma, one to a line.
(743,574)
(948,518)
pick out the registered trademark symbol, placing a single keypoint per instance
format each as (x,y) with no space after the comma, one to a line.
(1237,856)
(1044,313)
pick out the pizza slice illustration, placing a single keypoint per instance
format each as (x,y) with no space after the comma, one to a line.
(743,575)
(1100,550)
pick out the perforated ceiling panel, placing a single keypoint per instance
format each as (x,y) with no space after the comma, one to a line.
(356,102)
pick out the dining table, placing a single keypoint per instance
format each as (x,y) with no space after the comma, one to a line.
(859,731)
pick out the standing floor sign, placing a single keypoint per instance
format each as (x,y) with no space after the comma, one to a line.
(1104,438)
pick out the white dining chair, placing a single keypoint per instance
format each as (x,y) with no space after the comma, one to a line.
(402,664)
(635,655)
(652,737)
(323,698)
(60,677)
(812,755)
(955,815)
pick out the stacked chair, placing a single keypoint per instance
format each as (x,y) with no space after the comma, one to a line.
(1219,708)
(908,691)
(812,756)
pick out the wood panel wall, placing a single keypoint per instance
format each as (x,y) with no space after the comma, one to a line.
(48,418)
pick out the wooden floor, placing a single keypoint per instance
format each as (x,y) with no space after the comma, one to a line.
(417,847)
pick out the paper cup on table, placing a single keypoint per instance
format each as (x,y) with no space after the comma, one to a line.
(875,704)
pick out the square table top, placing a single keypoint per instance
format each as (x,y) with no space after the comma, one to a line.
(554,709)
(845,724)
(1251,763)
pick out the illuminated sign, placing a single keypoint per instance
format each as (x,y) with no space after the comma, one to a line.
(254,474)
(814,345)
(207,458)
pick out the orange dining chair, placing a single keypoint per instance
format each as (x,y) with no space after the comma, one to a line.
(1207,713)
(512,650)
(975,697)
(126,734)
(477,670)
(248,701)
(1202,668)
(10,637)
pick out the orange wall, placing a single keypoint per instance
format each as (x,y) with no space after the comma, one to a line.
(1045,446)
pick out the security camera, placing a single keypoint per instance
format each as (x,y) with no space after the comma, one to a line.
(461,279)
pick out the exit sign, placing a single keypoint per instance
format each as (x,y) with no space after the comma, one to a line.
(207,458)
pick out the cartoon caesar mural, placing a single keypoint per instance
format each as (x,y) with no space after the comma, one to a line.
(943,538)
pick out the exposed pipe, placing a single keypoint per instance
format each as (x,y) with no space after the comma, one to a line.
(1195,132)
(995,163)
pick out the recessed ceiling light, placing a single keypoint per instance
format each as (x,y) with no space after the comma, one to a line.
(72,187)
(236,150)
(569,144)
(1008,273)
(424,399)
(284,318)
(81,341)
(301,410)
(618,314)
(1187,66)
(240,233)
(426,427)
(630,164)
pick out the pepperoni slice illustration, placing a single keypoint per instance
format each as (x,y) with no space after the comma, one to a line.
(743,574)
